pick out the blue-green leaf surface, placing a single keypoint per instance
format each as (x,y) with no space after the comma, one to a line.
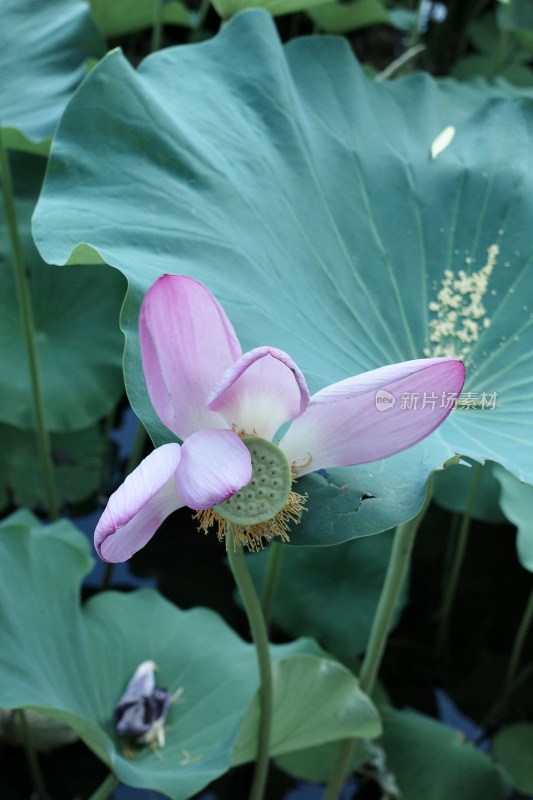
(306,197)
(44,47)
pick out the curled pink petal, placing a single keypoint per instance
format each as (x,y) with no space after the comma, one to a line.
(138,507)
(187,343)
(374,415)
(260,391)
(214,465)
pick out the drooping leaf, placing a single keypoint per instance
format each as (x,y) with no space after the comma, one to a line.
(308,201)
(125,16)
(343,17)
(77,459)
(432,761)
(452,487)
(513,749)
(76,315)
(313,585)
(516,502)
(228,8)
(315,700)
(73,662)
(316,764)
(43,50)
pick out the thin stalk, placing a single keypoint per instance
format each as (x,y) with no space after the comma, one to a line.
(273,569)
(499,706)
(42,434)
(450,549)
(157,26)
(105,788)
(404,539)
(518,646)
(31,756)
(395,66)
(252,607)
(450,588)
(201,14)
(502,50)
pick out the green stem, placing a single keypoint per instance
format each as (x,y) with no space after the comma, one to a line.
(400,559)
(105,788)
(201,14)
(252,607)
(399,63)
(44,448)
(518,646)
(503,41)
(157,26)
(273,569)
(451,543)
(498,708)
(450,588)
(31,756)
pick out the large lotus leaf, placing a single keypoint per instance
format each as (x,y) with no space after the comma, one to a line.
(77,460)
(453,487)
(125,16)
(44,48)
(516,502)
(76,312)
(305,196)
(73,662)
(314,585)
(432,761)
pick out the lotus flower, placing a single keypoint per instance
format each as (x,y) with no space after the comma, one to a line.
(227,407)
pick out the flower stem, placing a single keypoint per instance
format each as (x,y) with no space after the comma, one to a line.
(157,26)
(518,646)
(42,434)
(34,767)
(252,607)
(399,63)
(452,581)
(273,569)
(400,559)
(105,788)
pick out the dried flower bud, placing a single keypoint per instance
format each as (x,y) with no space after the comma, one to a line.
(141,711)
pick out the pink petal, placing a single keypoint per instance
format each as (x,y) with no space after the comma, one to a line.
(136,510)
(187,343)
(214,465)
(342,424)
(261,391)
